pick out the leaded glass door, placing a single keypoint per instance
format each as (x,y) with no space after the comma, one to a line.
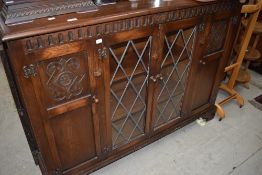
(174,65)
(129,61)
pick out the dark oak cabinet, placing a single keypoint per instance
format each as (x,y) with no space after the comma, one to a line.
(90,91)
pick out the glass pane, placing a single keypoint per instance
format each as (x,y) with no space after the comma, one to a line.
(174,70)
(129,71)
(217,37)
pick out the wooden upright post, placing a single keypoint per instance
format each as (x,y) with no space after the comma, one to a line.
(253,10)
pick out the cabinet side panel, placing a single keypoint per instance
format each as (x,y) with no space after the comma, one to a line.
(18,59)
(20,109)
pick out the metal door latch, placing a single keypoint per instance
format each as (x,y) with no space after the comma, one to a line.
(153,78)
(160,77)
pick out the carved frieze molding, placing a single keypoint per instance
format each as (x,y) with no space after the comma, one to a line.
(96,31)
(25,13)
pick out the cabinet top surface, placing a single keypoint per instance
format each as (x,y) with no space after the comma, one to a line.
(121,10)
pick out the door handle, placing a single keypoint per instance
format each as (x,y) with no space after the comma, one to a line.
(202,62)
(95,99)
(153,78)
(160,77)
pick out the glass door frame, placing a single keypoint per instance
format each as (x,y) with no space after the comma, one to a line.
(163,29)
(109,40)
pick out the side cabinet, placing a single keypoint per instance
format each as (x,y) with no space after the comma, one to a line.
(61,81)
(211,56)
(96,92)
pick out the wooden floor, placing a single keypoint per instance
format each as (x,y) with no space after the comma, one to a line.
(230,147)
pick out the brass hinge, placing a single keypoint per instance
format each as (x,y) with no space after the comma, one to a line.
(102,53)
(58,172)
(21,111)
(201,27)
(106,149)
(29,71)
(36,155)
(234,20)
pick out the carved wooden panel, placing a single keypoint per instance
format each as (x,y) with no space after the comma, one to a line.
(217,36)
(31,10)
(65,78)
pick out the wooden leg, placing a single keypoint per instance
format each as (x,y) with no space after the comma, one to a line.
(220,111)
(226,89)
(247,65)
(232,94)
(256,42)
(240,100)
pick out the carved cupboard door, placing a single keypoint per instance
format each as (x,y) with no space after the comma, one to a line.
(175,57)
(65,88)
(128,91)
(209,63)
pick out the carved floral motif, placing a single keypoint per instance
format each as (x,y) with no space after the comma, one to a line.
(64,82)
